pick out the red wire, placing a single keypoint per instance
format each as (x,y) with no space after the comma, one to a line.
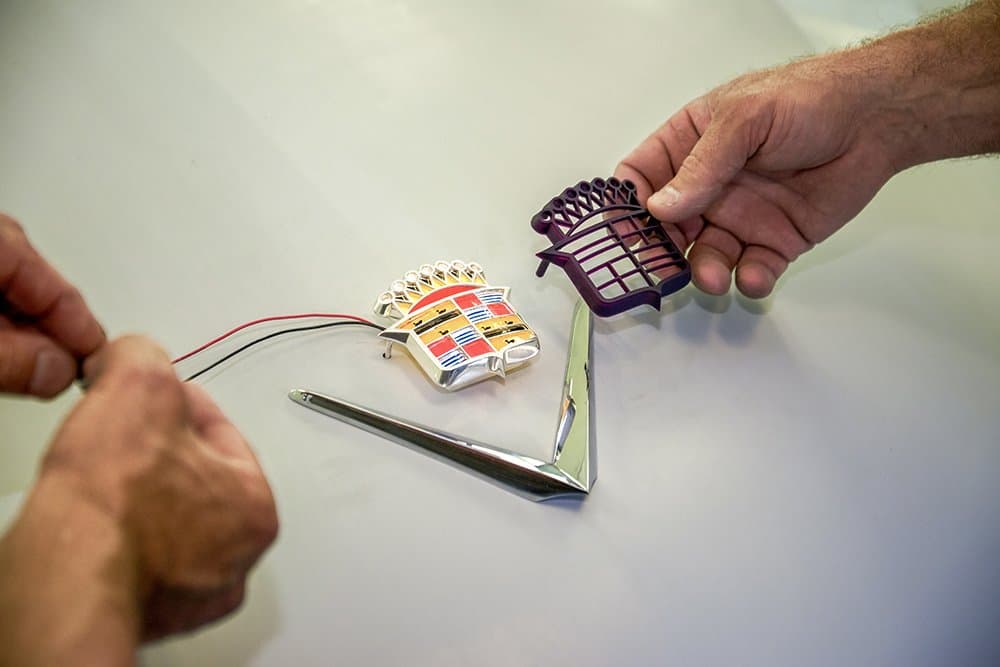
(273,318)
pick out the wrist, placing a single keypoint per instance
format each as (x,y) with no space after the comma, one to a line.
(935,87)
(69,581)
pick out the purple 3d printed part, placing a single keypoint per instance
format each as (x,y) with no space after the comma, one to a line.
(613,250)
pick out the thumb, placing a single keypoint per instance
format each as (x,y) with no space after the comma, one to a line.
(717,157)
(30,363)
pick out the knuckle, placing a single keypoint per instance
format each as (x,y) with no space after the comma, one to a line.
(740,112)
(135,341)
(624,166)
(747,101)
(234,599)
(263,524)
(71,294)
(151,376)
(11,227)
(718,159)
(152,379)
(12,235)
(254,511)
(68,297)
(745,98)
(137,350)
(696,165)
(680,125)
(267,527)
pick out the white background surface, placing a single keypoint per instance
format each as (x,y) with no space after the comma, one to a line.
(808,480)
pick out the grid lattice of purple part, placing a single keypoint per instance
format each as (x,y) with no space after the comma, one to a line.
(617,255)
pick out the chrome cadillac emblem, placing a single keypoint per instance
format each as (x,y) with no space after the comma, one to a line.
(457,327)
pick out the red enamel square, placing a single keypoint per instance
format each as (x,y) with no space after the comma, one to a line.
(465,301)
(441,346)
(499,309)
(477,348)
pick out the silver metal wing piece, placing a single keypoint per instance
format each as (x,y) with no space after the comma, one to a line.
(573,468)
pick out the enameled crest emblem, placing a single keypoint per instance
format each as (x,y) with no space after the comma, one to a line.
(457,327)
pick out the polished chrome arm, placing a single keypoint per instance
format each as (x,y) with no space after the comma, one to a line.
(573,469)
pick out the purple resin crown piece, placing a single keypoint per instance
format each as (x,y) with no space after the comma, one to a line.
(613,250)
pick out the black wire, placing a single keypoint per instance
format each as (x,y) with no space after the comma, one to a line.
(280,333)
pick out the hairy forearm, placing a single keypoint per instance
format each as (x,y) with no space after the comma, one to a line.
(67,584)
(940,85)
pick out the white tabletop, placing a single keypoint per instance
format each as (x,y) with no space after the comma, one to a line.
(808,480)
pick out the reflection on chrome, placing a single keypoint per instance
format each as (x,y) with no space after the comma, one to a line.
(571,472)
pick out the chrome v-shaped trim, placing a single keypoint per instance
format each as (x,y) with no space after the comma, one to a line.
(573,468)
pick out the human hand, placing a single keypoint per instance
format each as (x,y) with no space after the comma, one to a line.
(763,168)
(46,328)
(160,460)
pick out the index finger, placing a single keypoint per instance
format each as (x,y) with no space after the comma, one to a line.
(654,162)
(37,291)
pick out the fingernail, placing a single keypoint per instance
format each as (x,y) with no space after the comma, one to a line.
(668,196)
(53,371)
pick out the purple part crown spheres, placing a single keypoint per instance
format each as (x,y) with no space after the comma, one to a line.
(617,255)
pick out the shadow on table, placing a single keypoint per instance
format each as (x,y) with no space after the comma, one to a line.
(694,315)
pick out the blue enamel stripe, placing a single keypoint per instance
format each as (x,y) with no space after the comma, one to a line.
(453,358)
(490,297)
(478,314)
(465,335)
